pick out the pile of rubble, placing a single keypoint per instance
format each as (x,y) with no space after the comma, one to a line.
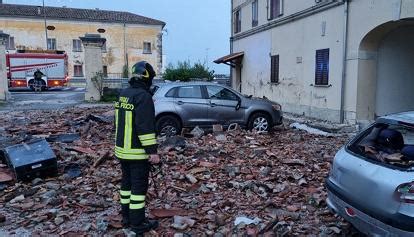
(219,184)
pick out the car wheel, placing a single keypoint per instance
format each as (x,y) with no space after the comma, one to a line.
(168,126)
(43,86)
(260,122)
(31,85)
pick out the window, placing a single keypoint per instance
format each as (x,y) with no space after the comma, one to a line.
(147,47)
(220,93)
(77,45)
(274,9)
(172,92)
(78,71)
(104,47)
(190,92)
(51,44)
(237,21)
(274,71)
(10,43)
(322,67)
(255,13)
(386,143)
(105,71)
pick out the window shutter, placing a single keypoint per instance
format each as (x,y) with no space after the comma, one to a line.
(322,67)
(274,72)
(237,21)
(280,7)
(11,43)
(78,71)
(274,9)
(255,13)
(268,10)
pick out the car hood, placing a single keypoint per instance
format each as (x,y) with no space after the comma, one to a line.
(263,100)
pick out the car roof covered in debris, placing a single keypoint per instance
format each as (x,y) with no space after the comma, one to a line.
(405,117)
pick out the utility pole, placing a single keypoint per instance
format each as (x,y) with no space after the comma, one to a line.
(44,16)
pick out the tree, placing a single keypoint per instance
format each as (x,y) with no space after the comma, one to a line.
(98,81)
(184,71)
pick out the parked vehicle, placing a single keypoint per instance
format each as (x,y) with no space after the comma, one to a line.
(21,66)
(204,104)
(371,183)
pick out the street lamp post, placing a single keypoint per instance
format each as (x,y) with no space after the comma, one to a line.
(44,16)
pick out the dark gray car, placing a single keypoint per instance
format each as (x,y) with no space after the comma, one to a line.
(203,104)
(371,183)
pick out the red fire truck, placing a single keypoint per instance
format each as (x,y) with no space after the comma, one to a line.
(21,67)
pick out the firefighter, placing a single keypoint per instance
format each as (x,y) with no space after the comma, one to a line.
(136,146)
(37,76)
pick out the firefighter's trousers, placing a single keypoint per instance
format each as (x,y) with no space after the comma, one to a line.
(134,188)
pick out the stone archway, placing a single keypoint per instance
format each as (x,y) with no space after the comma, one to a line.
(386,70)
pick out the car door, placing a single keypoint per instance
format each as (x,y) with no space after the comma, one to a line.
(223,106)
(192,106)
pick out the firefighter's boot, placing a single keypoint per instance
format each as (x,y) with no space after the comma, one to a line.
(125,216)
(145,226)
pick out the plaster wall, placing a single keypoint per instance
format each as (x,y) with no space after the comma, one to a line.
(30,34)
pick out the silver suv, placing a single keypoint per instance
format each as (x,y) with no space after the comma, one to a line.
(203,104)
(371,183)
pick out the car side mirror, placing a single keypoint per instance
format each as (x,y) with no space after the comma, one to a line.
(238,105)
(152,91)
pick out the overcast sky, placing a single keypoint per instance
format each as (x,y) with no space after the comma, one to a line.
(197,29)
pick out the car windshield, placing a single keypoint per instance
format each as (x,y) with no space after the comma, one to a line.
(388,144)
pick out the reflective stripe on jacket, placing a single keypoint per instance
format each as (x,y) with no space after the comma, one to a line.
(135,124)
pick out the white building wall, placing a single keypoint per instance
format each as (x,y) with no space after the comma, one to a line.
(289,7)
(296,91)
(300,38)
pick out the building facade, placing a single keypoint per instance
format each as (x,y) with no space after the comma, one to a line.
(129,37)
(344,61)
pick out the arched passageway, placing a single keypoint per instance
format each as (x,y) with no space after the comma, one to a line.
(386,70)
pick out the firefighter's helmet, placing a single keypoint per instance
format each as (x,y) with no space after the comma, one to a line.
(143,71)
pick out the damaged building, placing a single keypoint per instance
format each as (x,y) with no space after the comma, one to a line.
(342,61)
(129,37)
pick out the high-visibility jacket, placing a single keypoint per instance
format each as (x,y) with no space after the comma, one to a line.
(135,124)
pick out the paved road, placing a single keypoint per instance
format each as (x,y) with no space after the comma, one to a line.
(52,99)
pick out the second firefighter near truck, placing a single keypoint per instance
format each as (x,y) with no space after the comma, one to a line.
(136,146)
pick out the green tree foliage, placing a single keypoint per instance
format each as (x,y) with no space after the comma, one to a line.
(184,71)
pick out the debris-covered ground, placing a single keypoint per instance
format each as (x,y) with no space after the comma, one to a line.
(219,184)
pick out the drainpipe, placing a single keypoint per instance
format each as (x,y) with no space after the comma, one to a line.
(44,16)
(231,67)
(126,63)
(231,42)
(344,66)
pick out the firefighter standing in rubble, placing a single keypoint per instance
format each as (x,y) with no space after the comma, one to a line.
(136,146)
